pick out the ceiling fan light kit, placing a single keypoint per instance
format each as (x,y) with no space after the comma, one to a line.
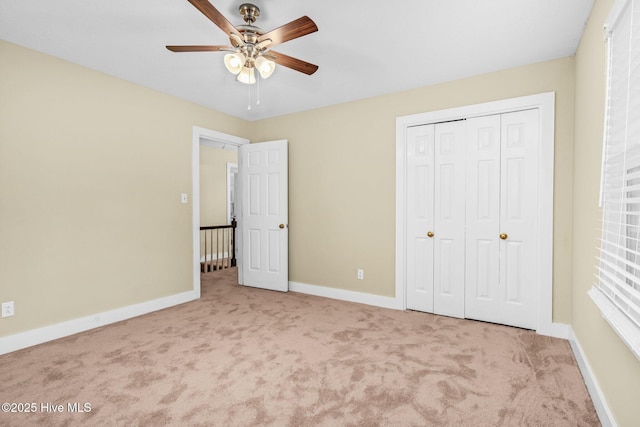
(250,45)
(265,67)
(247,75)
(234,62)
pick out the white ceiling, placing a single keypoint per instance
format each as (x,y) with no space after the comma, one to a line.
(363,48)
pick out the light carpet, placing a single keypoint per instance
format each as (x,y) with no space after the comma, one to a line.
(248,357)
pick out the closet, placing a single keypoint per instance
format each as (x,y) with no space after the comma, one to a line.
(472,217)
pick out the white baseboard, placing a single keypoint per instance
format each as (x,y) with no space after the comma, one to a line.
(33,337)
(556,330)
(344,295)
(600,403)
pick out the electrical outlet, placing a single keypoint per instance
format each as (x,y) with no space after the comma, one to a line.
(360,274)
(7,309)
(184,198)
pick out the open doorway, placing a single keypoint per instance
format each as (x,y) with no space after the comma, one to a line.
(217,207)
(211,152)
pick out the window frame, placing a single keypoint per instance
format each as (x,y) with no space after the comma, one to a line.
(617,289)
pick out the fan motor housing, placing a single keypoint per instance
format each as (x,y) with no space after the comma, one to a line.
(249,12)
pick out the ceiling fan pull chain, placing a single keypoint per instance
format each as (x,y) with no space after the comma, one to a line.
(258,77)
(249,107)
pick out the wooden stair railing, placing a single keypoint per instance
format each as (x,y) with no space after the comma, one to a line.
(217,247)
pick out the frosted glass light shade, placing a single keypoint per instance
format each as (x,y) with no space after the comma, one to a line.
(265,67)
(234,62)
(247,76)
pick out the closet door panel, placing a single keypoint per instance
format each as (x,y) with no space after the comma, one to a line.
(483,293)
(420,210)
(449,219)
(518,218)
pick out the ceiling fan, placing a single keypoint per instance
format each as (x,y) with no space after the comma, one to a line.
(250,46)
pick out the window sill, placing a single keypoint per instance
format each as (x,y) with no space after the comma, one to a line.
(625,328)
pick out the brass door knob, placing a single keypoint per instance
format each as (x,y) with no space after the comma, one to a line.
(281,226)
(430,233)
(504,236)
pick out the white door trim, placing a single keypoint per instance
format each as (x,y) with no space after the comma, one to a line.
(545,103)
(230,178)
(202,136)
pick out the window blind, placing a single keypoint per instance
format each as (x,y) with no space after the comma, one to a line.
(617,288)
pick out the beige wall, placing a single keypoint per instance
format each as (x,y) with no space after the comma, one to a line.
(91,171)
(213,184)
(616,369)
(342,177)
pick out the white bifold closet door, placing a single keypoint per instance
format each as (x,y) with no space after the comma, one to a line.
(435,220)
(502,213)
(472,213)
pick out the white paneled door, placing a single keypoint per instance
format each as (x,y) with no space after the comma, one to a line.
(502,212)
(483,217)
(448,231)
(263,169)
(435,218)
(420,220)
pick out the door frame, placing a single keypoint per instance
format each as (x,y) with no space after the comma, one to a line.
(231,177)
(545,103)
(212,138)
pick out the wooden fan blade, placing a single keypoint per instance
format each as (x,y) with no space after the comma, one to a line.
(215,16)
(293,63)
(294,29)
(199,48)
